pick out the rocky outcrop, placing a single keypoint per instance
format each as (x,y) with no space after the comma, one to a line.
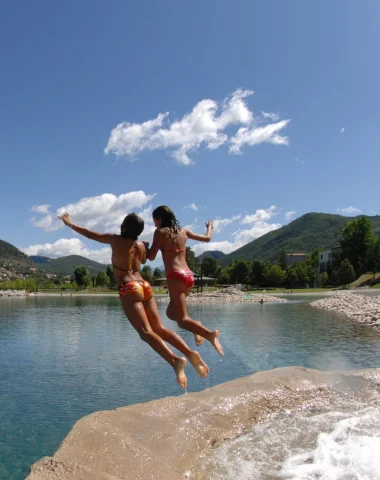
(361,308)
(231,295)
(13,293)
(166,438)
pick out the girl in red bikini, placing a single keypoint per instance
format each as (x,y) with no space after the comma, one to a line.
(136,295)
(171,239)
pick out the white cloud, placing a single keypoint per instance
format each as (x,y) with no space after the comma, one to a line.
(257,135)
(69,246)
(44,209)
(261,215)
(203,126)
(193,206)
(298,160)
(102,213)
(259,226)
(342,130)
(271,116)
(220,223)
(349,211)
(290,214)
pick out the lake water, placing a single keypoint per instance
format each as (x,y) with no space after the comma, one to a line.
(63,358)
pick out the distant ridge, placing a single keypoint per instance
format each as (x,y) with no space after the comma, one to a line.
(305,233)
(12,257)
(67,265)
(212,253)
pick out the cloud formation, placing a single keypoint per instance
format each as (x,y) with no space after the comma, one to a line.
(342,130)
(43,209)
(290,214)
(193,206)
(258,225)
(102,213)
(69,246)
(204,126)
(349,211)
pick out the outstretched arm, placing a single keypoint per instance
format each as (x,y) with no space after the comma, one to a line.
(202,238)
(151,252)
(98,237)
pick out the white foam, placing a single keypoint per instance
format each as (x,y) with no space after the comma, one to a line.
(303,446)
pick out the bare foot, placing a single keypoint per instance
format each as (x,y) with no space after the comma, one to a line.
(179,368)
(198,339)
(199,365)
(215,342)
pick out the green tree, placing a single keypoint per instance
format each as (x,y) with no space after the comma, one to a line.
(223,276)
(239,272)
(258,272)
(102,279)
(111,276)
(357,239)
(373,257)
(147,274)
(275,275)
(158,273)
(291,277)
(324,279)
(346,272)
(191,260)
(283,260)
(209,266)
(82,276)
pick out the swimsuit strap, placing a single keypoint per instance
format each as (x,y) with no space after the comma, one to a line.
(176,250)
(123,269)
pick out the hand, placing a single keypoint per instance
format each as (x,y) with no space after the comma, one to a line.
(146,245)
(209,224)
(66,219)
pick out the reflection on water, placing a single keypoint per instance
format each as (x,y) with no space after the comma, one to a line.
(62,358)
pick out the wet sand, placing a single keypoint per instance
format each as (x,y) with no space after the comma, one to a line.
(164,439)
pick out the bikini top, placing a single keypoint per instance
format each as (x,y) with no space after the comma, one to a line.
(123,269)
(176,250)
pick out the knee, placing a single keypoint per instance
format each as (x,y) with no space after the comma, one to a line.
(144,334)
(183,321)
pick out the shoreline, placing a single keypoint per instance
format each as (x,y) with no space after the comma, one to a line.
(172,436)
(358,306)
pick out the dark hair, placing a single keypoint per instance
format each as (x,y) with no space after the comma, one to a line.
(132,226)
(167,218)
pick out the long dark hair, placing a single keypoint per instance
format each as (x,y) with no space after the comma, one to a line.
(167,218)
(132,226)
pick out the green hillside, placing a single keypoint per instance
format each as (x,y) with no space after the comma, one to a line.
(67,265)
(12,257)
(212,253)
(38,259)
(310,231)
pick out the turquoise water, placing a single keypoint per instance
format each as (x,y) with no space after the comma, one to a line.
(62,358)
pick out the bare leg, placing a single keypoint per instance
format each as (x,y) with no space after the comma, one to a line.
(178,312)
(170,312)
(135,313)
(174,339)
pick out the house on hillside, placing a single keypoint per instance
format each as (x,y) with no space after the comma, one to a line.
(327,256)
(295,257)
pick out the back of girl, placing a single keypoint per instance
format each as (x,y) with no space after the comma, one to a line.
(171,239)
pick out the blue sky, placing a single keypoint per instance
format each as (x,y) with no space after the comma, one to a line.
(251,113)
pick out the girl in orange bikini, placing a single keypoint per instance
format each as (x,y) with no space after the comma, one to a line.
(171,239)
(136,295)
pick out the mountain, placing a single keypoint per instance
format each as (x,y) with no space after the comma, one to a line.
(39,260)
(212,253)
(67,265)
(310,231)
(12,257)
